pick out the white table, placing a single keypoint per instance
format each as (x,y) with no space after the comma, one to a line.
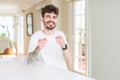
(18,70)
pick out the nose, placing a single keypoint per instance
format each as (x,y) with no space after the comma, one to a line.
(51,18)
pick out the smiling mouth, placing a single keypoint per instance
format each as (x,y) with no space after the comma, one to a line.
(50,22)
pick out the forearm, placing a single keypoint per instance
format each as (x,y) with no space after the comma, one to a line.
(32,57)
(68,58)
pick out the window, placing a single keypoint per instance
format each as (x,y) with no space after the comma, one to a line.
(6,27)
(12,28)
(79,34)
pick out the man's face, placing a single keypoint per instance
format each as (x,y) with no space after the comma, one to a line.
(49,20)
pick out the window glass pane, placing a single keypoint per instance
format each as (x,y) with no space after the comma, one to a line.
(79,7)
(6,26)
(79,21)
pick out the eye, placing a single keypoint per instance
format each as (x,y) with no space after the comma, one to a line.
(50,17)
(54,17)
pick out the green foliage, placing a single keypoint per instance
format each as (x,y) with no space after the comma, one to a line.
(3,35)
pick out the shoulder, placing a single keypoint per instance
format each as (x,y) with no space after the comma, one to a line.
(36,34)
(59,32)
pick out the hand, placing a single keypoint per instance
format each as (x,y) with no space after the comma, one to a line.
(60,41)
(41,43)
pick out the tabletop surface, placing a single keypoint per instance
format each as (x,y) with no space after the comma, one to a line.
(16,69)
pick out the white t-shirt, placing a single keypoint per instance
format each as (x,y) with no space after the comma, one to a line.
(52,52)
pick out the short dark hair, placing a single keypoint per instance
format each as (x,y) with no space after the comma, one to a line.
(48,9)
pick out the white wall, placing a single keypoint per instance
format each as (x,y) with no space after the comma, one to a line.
(105,39)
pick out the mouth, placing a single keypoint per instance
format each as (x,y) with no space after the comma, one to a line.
(51,22)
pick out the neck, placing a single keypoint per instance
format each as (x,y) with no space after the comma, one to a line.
(48,32)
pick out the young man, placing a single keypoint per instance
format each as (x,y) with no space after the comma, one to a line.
(49,44)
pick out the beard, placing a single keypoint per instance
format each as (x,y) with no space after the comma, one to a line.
(50,27)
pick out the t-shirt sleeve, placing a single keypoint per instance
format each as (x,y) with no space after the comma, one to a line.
(32,44)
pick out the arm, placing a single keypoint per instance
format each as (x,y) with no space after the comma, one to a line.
(68,59)
(32,57)
(61,40)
